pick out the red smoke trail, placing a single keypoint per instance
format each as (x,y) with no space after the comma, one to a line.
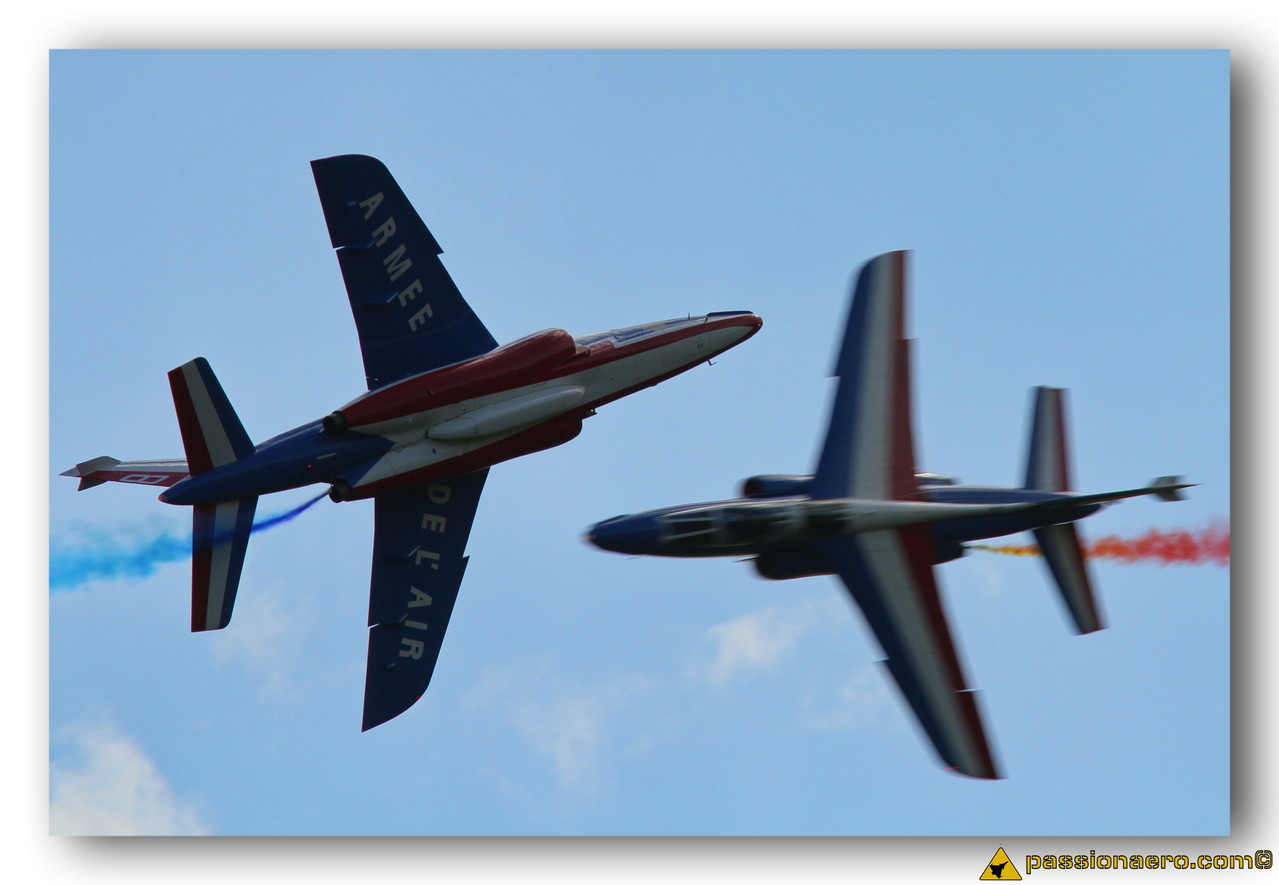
(1160,546)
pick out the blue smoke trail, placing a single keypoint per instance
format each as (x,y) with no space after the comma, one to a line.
(109,558)
(273,521)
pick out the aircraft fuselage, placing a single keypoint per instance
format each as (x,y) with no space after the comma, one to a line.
(529,395)
(954,515)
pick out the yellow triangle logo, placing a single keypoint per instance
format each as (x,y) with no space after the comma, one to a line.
(1000,869)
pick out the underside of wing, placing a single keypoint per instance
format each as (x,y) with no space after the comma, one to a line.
(409,314)
(890,576)
(869,451)
(419,559)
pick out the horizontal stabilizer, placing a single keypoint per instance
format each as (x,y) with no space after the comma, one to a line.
(1064,555)
(1165,488)
(218,542)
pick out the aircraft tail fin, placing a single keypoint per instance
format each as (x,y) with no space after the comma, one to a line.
(219,540)
(211,432)
(1047,457)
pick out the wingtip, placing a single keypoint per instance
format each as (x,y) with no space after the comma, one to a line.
(375,716)
(984,774)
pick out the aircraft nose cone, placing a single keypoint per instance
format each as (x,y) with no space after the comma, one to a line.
(625,534)
(748,323)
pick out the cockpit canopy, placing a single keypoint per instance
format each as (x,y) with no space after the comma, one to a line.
(728,525)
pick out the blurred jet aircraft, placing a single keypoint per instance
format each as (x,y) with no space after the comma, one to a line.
(867,516)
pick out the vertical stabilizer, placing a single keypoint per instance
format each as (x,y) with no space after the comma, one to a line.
(211,432)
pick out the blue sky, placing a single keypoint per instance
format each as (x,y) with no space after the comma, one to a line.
(1069,220)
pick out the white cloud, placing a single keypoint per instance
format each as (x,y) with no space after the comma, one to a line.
(114,789)
(569,724)
(265,639)
(858,702)
(568,731)
(751,642)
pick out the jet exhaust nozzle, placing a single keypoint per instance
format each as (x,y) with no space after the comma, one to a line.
(334,423)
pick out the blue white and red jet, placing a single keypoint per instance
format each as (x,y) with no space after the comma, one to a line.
(444,403)
(869,517)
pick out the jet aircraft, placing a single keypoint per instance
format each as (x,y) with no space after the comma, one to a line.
(444,403)
(869,517)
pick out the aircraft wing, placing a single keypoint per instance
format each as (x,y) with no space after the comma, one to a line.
(869,450)
(419,543)
(409,315)
(890,576)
